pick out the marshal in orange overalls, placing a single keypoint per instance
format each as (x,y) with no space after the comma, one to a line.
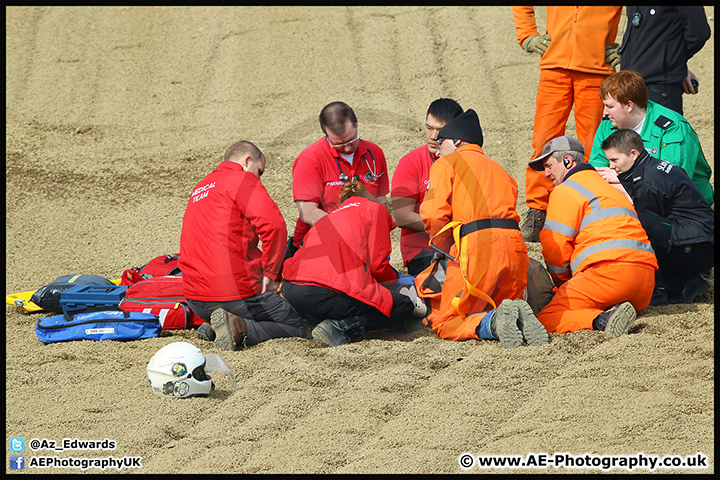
(596,250)
(490,263)
(571,71)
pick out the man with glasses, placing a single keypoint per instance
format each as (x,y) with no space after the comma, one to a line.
(321,170)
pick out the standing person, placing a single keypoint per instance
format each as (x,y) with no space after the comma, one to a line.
(679,222)
(227,279)
(469,213)
(321,170)
(577,53)
(665,133)
(594,246)
(336,279)
(658,42)
(410,183)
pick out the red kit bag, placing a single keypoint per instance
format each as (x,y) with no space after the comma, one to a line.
(157,267)
(161,296)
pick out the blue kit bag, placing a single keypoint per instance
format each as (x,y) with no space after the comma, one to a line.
(100,325)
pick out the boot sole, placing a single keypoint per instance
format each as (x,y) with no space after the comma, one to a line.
(620,321)
(506,326)
(223,335)
(533,331)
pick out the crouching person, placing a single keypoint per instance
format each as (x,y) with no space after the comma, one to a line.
(595,248)
(335,280)
(228,281)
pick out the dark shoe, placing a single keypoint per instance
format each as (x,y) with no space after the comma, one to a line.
(504,325)
(539,286)
(692,289)
(615,321)
(332,333)
(532,225)
(205,332)
(659,297)
(230,330)
(533,332)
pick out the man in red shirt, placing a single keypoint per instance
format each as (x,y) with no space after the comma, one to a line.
(321,170)
(227,279)
(410,183)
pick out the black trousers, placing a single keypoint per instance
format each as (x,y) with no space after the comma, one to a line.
(316,304)
(680,263)
(668,95)
(266,316)
(420,262)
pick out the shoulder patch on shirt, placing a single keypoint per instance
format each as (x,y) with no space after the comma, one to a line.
(665,166)
(663,122)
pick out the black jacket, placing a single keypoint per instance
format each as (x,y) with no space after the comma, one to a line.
(663,188)
(660,46)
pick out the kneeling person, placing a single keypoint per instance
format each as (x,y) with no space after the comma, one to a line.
(679,222)
(336,279)
(595,248)
(227,279)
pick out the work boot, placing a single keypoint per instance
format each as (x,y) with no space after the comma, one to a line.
(616,320)
(532,225)
(504,325)
(230,330)
(331,333)
(205,332)
(691,290)
(533,332)
(539,289)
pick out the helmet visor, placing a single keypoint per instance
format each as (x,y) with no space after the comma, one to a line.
(215,364)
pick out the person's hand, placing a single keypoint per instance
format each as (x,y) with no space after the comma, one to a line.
(687,83)
(608,174)
(537,44)
(612,57)
(274,286)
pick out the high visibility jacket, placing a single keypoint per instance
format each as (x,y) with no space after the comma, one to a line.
(589,222)
(578,36)
(348,251)
(668,136)
(228,213)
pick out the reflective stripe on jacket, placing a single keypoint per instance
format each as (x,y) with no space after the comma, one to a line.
(589,221)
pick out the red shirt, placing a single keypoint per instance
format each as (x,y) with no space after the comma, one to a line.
(411,179)
(227,214)
(316,176)
(348,251)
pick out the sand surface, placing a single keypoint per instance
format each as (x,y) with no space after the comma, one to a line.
(114,114)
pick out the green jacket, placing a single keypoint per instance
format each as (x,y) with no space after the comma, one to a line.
(667,136)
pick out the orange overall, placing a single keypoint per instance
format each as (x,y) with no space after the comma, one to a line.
(596,250)
(571,71)
(490,263)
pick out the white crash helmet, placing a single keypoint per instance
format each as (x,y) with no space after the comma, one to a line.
(180,370)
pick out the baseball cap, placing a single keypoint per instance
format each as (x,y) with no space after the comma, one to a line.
(558,144)
(465,126)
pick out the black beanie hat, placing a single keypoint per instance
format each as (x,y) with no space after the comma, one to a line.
(465,127)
